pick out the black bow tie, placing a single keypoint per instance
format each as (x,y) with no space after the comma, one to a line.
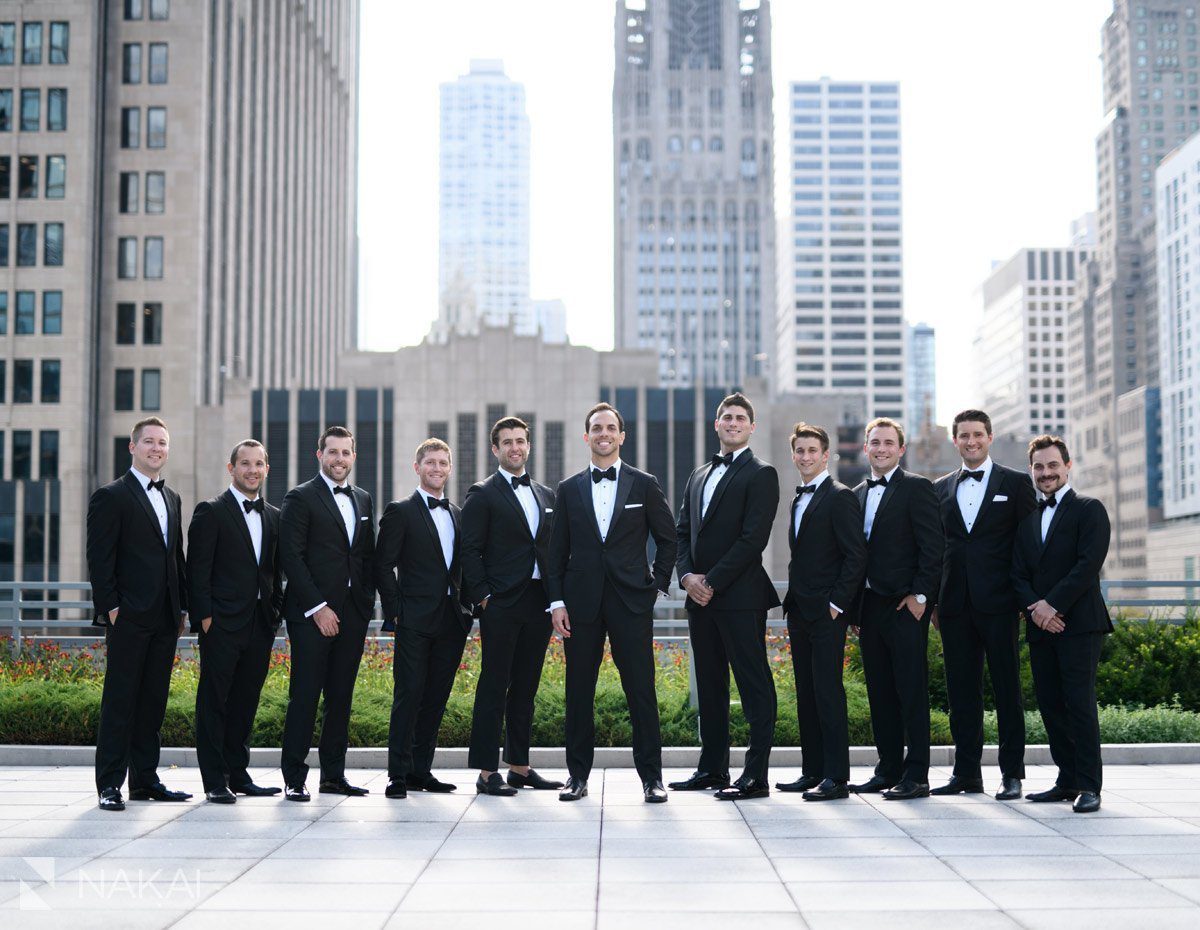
(434,503)
(156,485)
(965,475)
(345,490)
(610,473)
(805,488)
(877,482)
(726,459)
(519,480)
(255,505)
(1047,501)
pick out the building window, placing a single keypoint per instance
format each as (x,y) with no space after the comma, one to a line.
(126,324)
(6,109)
(156,127)
(157,72)
(52,253)
(56,109)
(127,257)
(160,9)
(3,320)
(156,191)
(5,177)
(153,261)
(131,63)
(26,322)
(123,396)
(151,389)
(3,398)
(52,313)
(31,110)
(133,9)
(31,44)
(8,43)
(152,324)
(131,127)
(23,381)
(27,180)
(48,458)
(3,245)
(128,195)
(56,177)
(26,245)
(60,43)
(51,380)
(22,456)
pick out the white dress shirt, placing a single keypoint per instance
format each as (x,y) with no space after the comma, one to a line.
(970,493)
(254,522)
(874,496)
(445,529)
(1048,512)
(714,478)
(604,497)
(806,499)
(157,501)
(532,513)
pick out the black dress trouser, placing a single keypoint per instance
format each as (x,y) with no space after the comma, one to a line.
(1064,679)
(818,656)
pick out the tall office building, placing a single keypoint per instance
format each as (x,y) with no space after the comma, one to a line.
(177,220)
(841,323)
(484,199)
(694,217)
(1020,347)
(921,358)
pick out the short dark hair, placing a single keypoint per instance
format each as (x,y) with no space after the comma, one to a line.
(254,444)
(509,423)
(801,430)
(971,416)
(339,431)
(136,433)
(587,420)
(736,399)
(885,421)
(1045,442)
(433,445)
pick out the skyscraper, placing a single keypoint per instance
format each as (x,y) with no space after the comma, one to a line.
(921,358)
(840,323)
(694,216)
(484,198)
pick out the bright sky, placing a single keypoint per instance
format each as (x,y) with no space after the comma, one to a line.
(1000,105)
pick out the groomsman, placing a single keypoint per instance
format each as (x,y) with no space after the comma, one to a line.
(419,537)
(1059,554)
(599,581)
(724,525)
(327,547)
(903,529)
(506,522)
(139,592)
(977,613)
(235,588)
(829,556)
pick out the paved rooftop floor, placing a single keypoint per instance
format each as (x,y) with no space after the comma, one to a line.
(609,861)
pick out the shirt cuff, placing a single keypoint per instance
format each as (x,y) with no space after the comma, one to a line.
(835,607)
(685,578)
(309,613)
(554,605)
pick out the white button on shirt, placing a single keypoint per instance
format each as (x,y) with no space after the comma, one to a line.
(805,500)
(970,493)
(345,506)
(874,496)
(532,514)
(253,522)
(157,501)
(1048,512)
(714,478)
(604,497)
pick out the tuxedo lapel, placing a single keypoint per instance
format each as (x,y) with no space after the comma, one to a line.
(321,489)
(418,500)
(236,513)
(950,498)
(819,497)
(1063,505)
(993,486)
(143,498)
(504,486)
(889,492)
(268,533)
(726,478)
(792,521)
(582,480)
(624,486)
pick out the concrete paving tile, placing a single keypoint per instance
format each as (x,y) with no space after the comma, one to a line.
(686,869)
(891,896)
(1034,868)
(1114,845)
(113,827)
(456,848)
(803,847)
(304,848)
(1003,846)
(1160,866)
(501,897)
(1163,918)
(12,889)
(675,828)
(376,830)
(157,919)
(229,829)
(1132,894)
(334,871)
(487,813)
(1111,807)
(527,829)
(525,869)
(32,869)
(283,920)
(1007,827)
(146,848)
(67,847)
(829,829)
(151,893)
(113,869)
(664,813)
(675,897)
(699,848)
(846,809)
(305,896)
(855,869)
(1125,826)
(397,812)
(470,920)
(910,920)
(1186,887)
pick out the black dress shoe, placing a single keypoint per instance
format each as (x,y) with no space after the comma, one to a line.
(958,785)
(297,793)
(701,781)
(221,796)
(574,790)
(252,790)
(743,790)
(873,785)
(341,786)
(532,780)
(111,800)
(1088,802)
(800,784)
(907,791)
(396,788)
(1057,793)
(1010,789)
(827,790)
(428,783)
(494,786)
(654,791)
(157,792)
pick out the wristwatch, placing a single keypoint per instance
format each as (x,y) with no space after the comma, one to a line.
(921,599)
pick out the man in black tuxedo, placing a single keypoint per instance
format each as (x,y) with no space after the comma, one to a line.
(1057,560)
(724,525)
(982,503)
(139,592)
(327,547)
(599,582)
(829,556)
(235,588)
(903,528)
(506,521)
(419,538)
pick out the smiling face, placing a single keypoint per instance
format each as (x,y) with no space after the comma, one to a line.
(433,471)
(336,458)
(808,457)
(883,449)
(150,451)
(249,470)
(604,437)
(973,442)
(1048,469)
(734,427)
(512,449)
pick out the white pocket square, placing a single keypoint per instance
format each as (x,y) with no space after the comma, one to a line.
(1000,497)
(364,518)
(632,506)
(549,510)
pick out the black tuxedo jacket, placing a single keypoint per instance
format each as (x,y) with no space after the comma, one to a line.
(409,542)
(320,563)
(579,560)
(129,565)
(977,566)
(1065,570)
(498,551)
(727,544)
(904,553)
(829,555)
(225,581)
